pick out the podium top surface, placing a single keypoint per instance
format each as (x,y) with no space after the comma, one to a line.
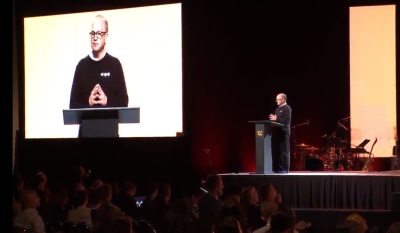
(98,109)
(274,123)
(123,114)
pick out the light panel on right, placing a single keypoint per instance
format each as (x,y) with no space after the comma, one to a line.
(373,77)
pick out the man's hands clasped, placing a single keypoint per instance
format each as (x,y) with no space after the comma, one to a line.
(97,96)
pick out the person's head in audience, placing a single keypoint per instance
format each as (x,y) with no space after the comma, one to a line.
(122,224)
(115,188)
(191,195)
(214,185)
(164,193)
(360,225)
(152,190)
(29,199)
(269,192)
(194,193)
(282,221)
(60,197)
(394,228)
(229,224)
(78,175)
(347,226)
(94,198)
(232,194)
(81,199)
(97,184)
(78,186)
(41,181)
(130,188)
(79,171)
(267,209)
(250,196)
(105,193)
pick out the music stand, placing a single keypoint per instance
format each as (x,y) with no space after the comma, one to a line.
(359,150)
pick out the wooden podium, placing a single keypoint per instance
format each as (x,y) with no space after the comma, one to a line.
(263,135)
(100,122)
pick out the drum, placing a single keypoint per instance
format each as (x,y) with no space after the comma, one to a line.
(342,165)
(314,164)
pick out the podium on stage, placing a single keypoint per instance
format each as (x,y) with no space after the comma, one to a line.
(263,133)
(100,122)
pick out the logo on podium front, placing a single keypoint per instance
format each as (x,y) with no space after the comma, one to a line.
(259,133)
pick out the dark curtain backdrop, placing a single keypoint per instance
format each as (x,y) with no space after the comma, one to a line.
(237,56)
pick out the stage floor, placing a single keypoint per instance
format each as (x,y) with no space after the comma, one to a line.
(328,189)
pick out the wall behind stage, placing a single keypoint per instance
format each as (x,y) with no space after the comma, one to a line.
(237,55)
(243,54)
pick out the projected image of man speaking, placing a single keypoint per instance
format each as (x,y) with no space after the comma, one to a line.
(99,79)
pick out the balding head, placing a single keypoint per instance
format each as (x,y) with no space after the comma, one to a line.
(282,96)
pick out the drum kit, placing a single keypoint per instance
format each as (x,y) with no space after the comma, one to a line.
(335,155)
(330,158)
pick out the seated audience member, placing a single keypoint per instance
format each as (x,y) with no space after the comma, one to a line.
(38,182)
(164,202)
(268,208)
(94,201)
(123,224)
(283,221)
(360,226)
(104,216)
(80,213)
(210,204)
(184,214)
(143,226)
(394,228)
(150,210)
(268,192)
(97,184)
(232,203)
(251,209)
(229,224)
(29,218)
(56,210)
(115,190)
(285,210)
(126,201)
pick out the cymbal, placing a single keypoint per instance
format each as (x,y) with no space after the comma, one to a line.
(302,145)
(311,148)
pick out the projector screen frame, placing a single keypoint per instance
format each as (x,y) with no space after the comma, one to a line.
(28,9)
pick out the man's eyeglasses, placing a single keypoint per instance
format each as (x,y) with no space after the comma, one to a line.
(278,99)
(98,34)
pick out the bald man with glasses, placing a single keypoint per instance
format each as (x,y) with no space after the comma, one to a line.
(281,135)
(99,79)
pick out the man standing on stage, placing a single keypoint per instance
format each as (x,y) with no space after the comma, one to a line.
(281,135)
